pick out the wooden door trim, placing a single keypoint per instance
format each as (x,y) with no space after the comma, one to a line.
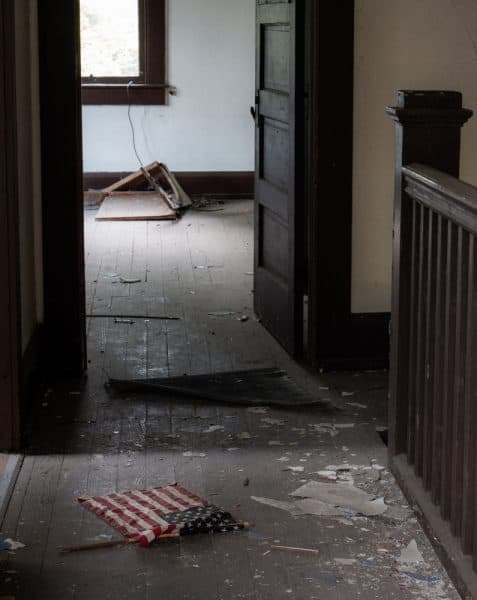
(337,338)
(9,244)
(62,178)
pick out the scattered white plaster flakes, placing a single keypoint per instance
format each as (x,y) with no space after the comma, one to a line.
(344,496)
(345,561)
(295,469)
(411,554)
(347,394)
(356,405)
(190,454)
(214,428)
(328,428)
(14,545)
(302,507)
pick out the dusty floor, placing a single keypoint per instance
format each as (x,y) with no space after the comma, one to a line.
(89,440)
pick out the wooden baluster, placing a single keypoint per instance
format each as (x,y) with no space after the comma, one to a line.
(459,373)
(439,364)
(420,334)
(429,351)
(470,402)
(449,357)
(411,438)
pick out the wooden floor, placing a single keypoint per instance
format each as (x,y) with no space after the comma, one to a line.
(87,440)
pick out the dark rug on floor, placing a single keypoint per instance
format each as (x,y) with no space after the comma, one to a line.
(271,387)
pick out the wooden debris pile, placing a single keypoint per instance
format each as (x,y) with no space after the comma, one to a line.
(151,193)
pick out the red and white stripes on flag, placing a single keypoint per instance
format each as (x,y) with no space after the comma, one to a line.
(145,515)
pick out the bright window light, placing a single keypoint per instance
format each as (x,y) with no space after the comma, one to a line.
(110,38)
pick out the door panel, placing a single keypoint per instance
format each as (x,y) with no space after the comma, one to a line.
(277,181)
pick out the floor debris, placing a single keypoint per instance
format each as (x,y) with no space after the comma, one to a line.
(9,544)
(345,562)
(343,496)
(190,454)
(144,516)
(299,550)
(150,193)
(295,469)
(268,386)
(214,428)
(411,554)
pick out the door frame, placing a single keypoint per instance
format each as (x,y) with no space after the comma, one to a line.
(64,352)
(337,338)
(10,331)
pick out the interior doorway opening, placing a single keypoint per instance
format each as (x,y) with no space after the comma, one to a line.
(187,290)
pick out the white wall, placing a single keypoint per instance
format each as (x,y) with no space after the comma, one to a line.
(207,126)
(410,44)
(29,166)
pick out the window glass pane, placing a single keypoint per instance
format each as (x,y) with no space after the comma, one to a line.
(109,38)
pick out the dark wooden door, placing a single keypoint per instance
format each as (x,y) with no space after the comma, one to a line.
(9,246)
(277,182)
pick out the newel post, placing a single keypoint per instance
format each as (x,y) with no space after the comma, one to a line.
(428,131)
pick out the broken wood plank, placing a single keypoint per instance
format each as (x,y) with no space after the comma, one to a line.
(292,549)
(130,182)
(135,206)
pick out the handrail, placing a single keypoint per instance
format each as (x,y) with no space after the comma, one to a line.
(451,197)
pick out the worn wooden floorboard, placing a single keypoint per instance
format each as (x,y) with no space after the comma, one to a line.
(88,440)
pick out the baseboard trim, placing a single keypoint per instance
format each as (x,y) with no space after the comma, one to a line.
(367,341)
(214,184)
(30,368)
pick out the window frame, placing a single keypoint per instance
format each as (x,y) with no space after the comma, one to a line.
(150,86)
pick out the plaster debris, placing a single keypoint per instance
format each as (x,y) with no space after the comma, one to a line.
(344,496)
(245,435)
(295,469)
(214,428)
(411,554)
(190,454)
(347,394)
(345,562)
(324,428)
(332,429)
(356,405)
(130,280)
(302,507)
(9,544)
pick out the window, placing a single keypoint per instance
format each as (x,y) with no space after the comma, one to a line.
(123,51)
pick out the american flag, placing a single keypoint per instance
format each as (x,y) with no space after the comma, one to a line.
(146,515)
